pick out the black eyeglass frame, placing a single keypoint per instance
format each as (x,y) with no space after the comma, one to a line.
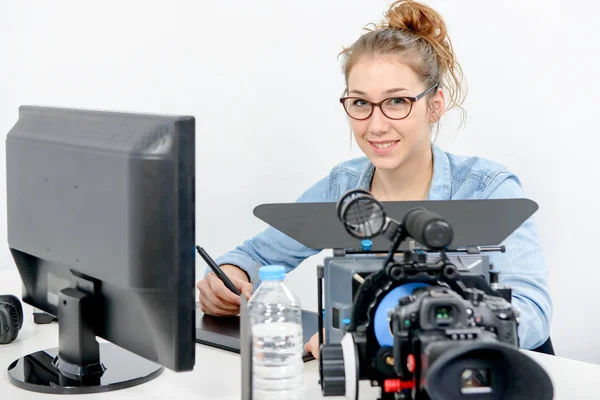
(410,99)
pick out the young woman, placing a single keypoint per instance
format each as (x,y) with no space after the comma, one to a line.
(399,78)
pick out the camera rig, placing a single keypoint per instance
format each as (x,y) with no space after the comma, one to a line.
(422,320)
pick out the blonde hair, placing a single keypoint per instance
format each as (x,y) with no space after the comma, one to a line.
(418,34)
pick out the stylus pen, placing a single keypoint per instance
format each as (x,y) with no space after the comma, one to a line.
(213,265)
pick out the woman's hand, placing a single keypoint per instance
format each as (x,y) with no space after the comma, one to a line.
(216,299)
(313,345)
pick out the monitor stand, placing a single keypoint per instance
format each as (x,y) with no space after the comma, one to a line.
(80,364)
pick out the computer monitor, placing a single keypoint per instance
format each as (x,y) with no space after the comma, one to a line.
(101,226)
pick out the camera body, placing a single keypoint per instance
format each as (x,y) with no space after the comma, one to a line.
(434,320)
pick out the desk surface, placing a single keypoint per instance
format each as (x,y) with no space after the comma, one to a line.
(217,373)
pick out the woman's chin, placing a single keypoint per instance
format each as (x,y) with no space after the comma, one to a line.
(386,164)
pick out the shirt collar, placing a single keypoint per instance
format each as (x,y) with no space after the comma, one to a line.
(441,183)
(364,181)
(440,188)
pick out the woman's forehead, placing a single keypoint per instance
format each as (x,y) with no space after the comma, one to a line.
(380,75)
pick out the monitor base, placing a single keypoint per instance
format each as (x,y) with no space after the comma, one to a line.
(36,372)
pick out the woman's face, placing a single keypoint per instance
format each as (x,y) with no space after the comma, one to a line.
(386,142)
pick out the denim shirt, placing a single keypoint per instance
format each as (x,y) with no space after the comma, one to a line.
(522,266)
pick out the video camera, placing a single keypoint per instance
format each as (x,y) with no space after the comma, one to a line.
(430,324)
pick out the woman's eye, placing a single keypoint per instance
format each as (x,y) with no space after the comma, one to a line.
(359,103)
(397,101)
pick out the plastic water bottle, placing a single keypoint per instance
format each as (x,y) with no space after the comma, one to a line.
(277,345)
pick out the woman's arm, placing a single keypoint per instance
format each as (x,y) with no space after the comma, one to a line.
(274,247)
(524,269)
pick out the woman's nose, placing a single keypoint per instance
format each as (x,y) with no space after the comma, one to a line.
(378,122)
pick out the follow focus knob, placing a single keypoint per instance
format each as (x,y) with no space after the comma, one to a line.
(331,366)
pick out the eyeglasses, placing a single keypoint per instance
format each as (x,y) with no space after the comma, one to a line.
(393,107)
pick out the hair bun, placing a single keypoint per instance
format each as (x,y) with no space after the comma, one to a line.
(418,18)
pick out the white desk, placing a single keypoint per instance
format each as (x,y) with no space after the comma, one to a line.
(217,372)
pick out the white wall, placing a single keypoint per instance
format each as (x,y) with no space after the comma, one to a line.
(246,68)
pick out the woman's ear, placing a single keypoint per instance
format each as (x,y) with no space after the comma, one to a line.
(437,106)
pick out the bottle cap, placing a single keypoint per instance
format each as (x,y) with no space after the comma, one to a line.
(272,273)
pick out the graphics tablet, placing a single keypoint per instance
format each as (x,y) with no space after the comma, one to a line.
(224,332)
